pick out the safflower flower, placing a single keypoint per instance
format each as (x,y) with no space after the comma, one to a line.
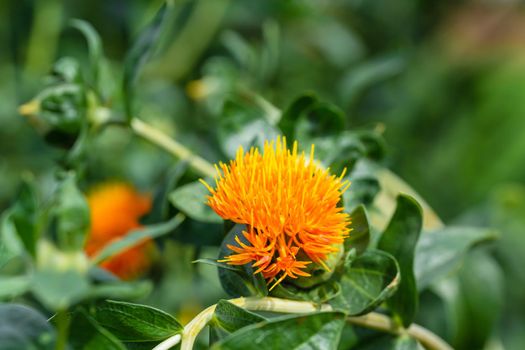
(289,205)
(115,209)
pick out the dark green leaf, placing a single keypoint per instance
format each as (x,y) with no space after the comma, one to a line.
(191,200)
(243,282)
(362,77)
(473,300)
(400,239)
(22,328)
(364,186)
(371,279)
(243,124)
(86,334)
(72,215)
(134,322)
(139,55)
(136,237)
(24,216)
(232,318)
(315,331)
(360,234)
(440,252)
(319,120)
(10,244)
(294,110)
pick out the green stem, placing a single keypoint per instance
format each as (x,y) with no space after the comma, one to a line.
(62,321)
(371,320)
(160,139)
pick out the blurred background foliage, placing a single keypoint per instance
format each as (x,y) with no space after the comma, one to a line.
(443,80)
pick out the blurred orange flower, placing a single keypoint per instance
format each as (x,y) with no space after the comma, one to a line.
(290,207)
(115,209)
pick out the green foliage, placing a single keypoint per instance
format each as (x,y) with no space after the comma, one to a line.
(239,75)
(440,252)
(190,199)
(320,330)
(134,322)
(240,281)
(400,239)
(372,278)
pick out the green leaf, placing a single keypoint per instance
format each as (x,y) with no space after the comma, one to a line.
(24,216)
(86,333)
(60,278)
(356,81)
(232,318)
(13,286)
(320,120)
(360,235)
(440,252)
(315,331)
(243,124)
(136,237)
(364,186)
(23,328)
(10,244)
(139,54)
(191,200)
(371,279)
(72,215)
(294,110)
(400,239)
(94,46)
(242,282)
(134,322)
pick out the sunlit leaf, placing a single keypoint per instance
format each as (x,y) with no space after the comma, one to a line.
(134,322)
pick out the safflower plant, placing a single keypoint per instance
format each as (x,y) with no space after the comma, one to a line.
(319,245)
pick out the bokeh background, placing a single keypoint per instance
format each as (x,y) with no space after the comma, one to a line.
(443,80)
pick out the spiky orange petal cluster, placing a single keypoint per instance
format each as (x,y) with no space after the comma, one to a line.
(289,204)
(115,209)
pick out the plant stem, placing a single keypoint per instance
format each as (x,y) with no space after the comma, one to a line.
(62,321)
(160,139)
(371,320)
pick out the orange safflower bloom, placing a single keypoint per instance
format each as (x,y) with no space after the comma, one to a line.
(290,207)
(115,209)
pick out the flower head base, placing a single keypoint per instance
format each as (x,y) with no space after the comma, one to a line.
(115,209)
(289,205)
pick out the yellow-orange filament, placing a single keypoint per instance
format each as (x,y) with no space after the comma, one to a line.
(290,207)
